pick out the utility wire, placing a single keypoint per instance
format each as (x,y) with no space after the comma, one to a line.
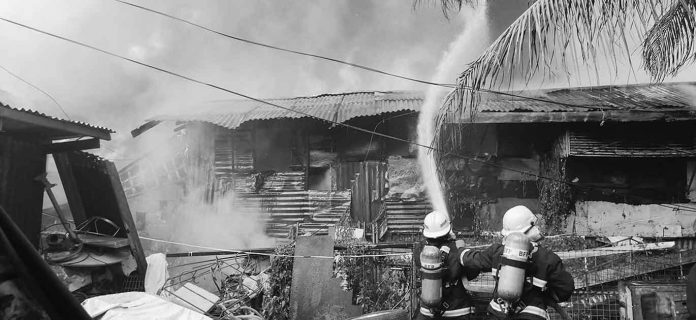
(39,89)
(283,49)
(371,69)
(431,148)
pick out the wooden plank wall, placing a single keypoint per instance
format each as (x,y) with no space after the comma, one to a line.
(21,196)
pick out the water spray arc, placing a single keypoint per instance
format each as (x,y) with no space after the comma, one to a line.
(465,48)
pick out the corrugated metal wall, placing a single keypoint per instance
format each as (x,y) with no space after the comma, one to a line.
(287,204)
(402,220)
(367,188)
(21,196)
(631,142)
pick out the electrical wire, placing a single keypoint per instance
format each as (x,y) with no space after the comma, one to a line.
(37,88)
(251,253)
(174,74)
(250,97)
(371,69)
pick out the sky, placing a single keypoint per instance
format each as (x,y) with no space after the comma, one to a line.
(102,90)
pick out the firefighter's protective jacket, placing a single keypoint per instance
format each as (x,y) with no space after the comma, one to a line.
(456,300)
(546,280)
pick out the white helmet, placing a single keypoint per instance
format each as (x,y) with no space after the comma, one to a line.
(436,224)
(518,219)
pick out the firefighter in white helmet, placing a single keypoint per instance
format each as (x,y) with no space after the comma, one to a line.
(543,279)
(443,295)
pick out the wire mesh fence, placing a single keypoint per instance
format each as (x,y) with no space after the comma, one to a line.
(392,282)
(597,273)
(237,279)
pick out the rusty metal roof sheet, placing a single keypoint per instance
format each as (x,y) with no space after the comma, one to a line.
(21,120)
(345,106)
(644,144)
(36,113)
(658,97)
(331,107)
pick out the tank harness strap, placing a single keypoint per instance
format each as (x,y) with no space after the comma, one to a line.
(431,276)
(514,263)
(495,276)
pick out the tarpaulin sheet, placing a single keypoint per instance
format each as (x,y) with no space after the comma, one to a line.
(156,274)
(137,306)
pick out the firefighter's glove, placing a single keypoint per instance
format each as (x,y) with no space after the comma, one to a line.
(444,253)
(437,312)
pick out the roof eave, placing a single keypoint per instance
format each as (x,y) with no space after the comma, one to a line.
(585,116)
(73,129)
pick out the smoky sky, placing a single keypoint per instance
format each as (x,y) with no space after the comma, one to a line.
(93,87)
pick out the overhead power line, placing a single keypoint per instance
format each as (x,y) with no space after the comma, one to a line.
(431,148)
(284,49)
(37,88)
(355,65)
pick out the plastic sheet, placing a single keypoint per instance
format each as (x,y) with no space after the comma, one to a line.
(138,306)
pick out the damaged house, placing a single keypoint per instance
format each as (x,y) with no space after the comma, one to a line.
(605,161)
(294,162)
(26,139)
(609,156)
(42,270)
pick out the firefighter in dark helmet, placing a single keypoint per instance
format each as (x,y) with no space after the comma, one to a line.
(443,295)
(529,277)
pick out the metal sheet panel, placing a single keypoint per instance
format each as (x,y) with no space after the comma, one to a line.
(585,144)
(20,195)
(43,115)
(345,106)
(650,99)
(331,107)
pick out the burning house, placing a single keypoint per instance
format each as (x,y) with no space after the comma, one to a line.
(302,164)
(303,172)
(604,161)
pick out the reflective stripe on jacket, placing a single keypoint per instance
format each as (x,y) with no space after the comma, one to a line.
(546,278)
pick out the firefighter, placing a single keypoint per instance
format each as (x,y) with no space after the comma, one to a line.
(542,280)
(443,295)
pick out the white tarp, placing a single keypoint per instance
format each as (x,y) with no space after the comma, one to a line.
(156,274)
(138,306)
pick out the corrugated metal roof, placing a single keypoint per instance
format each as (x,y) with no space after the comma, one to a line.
(331,107)
(660,96)
(343,107)
(36,113)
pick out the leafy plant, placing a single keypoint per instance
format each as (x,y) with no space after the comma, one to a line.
(276,303)
(378,283)
(555,193)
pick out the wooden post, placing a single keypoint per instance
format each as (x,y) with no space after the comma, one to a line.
(128,223)
(72,193)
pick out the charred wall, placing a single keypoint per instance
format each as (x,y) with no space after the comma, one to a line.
(493,170)
(22,160)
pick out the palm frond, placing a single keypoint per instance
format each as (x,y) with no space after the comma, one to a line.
(570,34)
(448,6)
(669,44)
(554,36)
